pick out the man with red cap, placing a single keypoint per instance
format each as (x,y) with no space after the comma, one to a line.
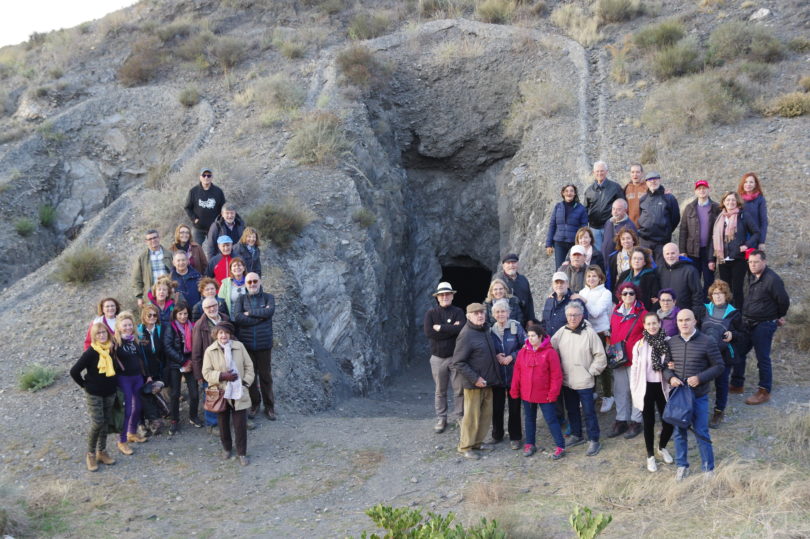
(696,232)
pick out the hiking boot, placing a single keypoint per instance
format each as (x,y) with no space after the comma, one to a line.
(736,390)
(135,438)
(633,430)
(664,455)
(619,427)
(651,465)
(440,425)
(514,445)
(760,397)
(471,454)
(529,450)
(574,441)
(593,448)
(607,404)
(252,412)
(124,448)
(90,460)
(558,453)
(270,415)
(104,458)
(717,418)
(682,473)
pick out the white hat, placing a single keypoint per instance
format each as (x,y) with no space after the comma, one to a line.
(578,249)
(444,288)
(559,276)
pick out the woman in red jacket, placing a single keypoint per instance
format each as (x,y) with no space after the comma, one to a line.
(626,325)
(537,380)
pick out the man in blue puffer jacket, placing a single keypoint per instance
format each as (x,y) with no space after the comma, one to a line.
(253,314)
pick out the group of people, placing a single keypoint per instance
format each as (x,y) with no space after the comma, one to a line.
(204,320)
(630,315)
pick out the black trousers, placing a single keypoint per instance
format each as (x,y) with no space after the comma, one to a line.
(262,387)
(239,419)
(175,381)
(654,397)
(500,395)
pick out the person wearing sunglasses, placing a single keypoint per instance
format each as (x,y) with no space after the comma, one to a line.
(150,337)
(253,314)
(627,326)
(203,204)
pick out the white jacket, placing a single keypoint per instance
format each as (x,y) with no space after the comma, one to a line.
(599,301)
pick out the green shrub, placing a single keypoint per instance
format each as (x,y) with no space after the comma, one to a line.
(618,10)
(317,138)
(404,522)
(587,525)
(364,217)
(189,96)
(25,227)
(367,25)
(292,49)
(738,39)
(229,52)
(142,64)
(175,30)
(35,377)
(83,265)
(659,36)
(755,71)
(789,105)
(495,11)
(675,61)
(47,215)
(280,224)
(359,67)
(195,46)
(799,44)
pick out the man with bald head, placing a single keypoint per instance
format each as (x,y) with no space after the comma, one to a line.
(619,219)
(599,197)
(678,274)
(696,361)
(253,314)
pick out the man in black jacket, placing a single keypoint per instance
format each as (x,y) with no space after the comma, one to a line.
(228,223)
(474,359)
(203,204)
(253,314)
(518,286)
(696,361)
(682,277)
(764,309)
(442,325)
(599,197)
(660,215)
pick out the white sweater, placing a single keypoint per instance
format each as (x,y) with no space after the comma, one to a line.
(599,301)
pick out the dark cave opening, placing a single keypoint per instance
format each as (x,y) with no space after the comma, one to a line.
(470,281)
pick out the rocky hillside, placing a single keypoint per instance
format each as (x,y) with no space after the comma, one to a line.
(410,136)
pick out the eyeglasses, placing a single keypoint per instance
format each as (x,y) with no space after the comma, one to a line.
(628,293)
(207,176)
(151,315)
(252,282)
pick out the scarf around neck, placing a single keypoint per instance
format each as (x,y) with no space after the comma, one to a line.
(721,237)
(661,353)
(185,331)
(748,197)
(105,364)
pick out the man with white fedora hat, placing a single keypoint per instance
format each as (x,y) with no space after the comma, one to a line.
(442,325)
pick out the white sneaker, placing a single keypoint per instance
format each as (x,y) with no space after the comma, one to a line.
(682,473)
(651,465)
(607,404)
(664,455)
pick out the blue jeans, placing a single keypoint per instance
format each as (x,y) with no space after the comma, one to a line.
(211,418)
(572,399)
(561,249)
(598,236)
(700,422)
(549,414)
(760,338)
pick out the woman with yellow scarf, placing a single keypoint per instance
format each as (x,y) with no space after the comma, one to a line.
(99,384)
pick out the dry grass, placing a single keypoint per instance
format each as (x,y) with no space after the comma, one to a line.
(143,63)
(280,224)
(618,10)
(444,9)
(620,65)
(794,433)
(369,24)
(466,47)
(278,97)
(495,11)
(538,99)
(659,36)
(229,52)
(691,103)
(804,83)
(359,67)
(680,59)
(738,39)
(83,265)
(649,152)
(789,105)
(799,44)
(317,139)
(488,493)
(578,24)
(189,96)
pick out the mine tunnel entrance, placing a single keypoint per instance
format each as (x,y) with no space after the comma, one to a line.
(470,280)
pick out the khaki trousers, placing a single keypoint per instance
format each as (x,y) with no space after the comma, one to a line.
(477,418)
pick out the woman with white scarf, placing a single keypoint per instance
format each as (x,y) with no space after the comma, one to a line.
(227,365)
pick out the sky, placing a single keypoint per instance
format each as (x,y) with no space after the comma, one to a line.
(22,18)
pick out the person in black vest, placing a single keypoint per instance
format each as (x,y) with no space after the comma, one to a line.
(253,314)
(442,325)
(764,309)
(518,286)
(696,361)
(203,204)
